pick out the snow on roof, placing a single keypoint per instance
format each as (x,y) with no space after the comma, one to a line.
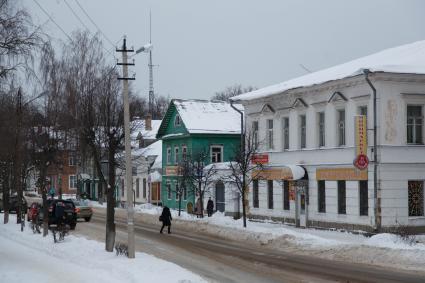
(138,127)
(407,59)
(203,117)
(153,149)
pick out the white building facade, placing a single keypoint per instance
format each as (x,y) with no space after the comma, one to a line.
(310,122)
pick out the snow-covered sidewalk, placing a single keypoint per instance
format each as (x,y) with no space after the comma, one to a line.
(382,249)
(28,257)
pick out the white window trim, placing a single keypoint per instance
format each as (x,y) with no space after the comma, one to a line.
(176,155)
(270,142)
(221,151)
(184,148)
(318,128)
(168,185)
(414,103)
(177,120)
(168,155)
(283,133)
(69,181)
(300,132)
(337,110)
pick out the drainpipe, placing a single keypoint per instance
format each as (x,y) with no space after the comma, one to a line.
(242,154)
(376,198)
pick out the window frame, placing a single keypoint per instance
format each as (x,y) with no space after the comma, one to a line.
(422,182)
(215,146)
(255,196)
(176,155)
(414,126)
(137,188)
(169,155)
(285,133)
(341,128)
(144,187)
(270,134)
(177,120)
(74,177)
(342,200)
(168,188)
(321,196)
(303,130)
(72,160)
(255,129)
(270,201)
(184,152)
(363,206)
(321,129)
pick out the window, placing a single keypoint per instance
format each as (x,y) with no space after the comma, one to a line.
(177,190)
(270,134)
(285,133)
(184,192)
(122,187)
(414,124)
(168,186)
(321,128)
(184,152)
(321,196)
(341,127)
(177,120)
(302,131)
(341,197)
(255,133)
(168,155)
(176,155)
(216,154)
(255,193)
(362,110)
(416,198)
(364,198)
(72,159)
(285,195)
(72,181)
(270,193)
(137,188)
(144,187)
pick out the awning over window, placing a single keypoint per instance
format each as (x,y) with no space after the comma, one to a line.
(84,176)
(286,172)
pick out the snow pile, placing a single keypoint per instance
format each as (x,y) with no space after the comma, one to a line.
(148,208)
(28,257)
(94,203)
(409,58)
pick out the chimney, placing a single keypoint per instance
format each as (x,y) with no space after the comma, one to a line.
(148,122)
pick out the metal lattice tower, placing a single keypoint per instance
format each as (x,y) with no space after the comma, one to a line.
(151,91)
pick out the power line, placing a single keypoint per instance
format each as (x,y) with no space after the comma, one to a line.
(81,21)
(91,20)
(47,14)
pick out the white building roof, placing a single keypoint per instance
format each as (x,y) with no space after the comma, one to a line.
(203,117)
(139,127)
(407,59)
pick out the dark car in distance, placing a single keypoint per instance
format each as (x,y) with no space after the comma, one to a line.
(69,211)
(13,204)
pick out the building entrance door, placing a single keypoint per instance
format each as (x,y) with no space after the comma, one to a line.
(219,196)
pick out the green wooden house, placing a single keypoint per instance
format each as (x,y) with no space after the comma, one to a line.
(190,127)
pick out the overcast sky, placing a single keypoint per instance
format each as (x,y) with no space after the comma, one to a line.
(203,46)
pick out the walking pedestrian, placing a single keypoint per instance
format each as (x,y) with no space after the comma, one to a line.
(210,207)
(165,218)
(199,212)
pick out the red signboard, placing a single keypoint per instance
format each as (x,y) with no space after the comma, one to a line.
(361,161)
(260,159)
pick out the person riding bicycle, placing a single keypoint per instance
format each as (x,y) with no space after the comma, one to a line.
(60,214)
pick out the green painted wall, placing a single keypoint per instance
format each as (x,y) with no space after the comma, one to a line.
(194,143)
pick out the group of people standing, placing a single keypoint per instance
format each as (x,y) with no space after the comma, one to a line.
(166,218)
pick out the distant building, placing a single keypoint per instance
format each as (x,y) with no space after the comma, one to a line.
(307,130)
(189,128)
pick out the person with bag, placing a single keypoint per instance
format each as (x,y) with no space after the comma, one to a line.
(165,218)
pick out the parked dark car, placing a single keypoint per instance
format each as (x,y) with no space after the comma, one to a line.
(70,213)
(13,204)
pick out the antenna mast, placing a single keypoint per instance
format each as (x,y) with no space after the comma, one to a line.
(151,91)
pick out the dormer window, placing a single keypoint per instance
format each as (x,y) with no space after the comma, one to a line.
(177,120)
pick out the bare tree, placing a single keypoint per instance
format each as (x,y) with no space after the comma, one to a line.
(243,170)
(231,91)
(199,175)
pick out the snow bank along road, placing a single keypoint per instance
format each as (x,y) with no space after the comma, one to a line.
(220,260)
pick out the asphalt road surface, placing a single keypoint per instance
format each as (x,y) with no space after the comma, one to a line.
(218,260)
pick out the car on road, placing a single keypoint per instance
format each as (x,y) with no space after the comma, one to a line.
(70,212)
(13,204)
(82,209)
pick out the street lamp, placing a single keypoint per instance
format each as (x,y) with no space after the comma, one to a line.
(145,48)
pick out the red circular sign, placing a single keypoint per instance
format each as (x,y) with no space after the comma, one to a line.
(361,161)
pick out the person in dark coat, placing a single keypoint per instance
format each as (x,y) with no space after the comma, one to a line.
(166,219)
(210,207)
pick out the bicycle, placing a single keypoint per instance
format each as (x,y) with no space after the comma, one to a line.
(60,232)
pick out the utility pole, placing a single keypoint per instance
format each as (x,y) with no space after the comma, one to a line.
(151,92)
(128,166)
